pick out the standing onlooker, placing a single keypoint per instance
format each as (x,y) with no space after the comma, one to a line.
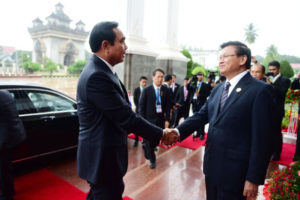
(200,94)
(281,85)
(154,105)
(136,97)
(296,86)
(258,71)
(11,134)
(183,98)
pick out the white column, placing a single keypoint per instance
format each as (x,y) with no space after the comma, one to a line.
(135,40)
(171,51)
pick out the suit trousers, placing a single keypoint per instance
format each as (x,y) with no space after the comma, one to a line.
(181,112)
(278,138)
(148,148)
(214,192)
(110,190)
(6,175)
(196,107)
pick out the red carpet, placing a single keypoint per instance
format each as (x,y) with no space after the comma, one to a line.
(190,144)
(132,136)
(45,185)
(287,154)
(187,143)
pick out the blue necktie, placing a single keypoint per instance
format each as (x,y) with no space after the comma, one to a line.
(224,95)
(158,99)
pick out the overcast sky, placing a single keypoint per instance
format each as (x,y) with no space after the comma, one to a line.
(201,23)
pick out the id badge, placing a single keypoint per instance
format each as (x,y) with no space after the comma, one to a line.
(158,108)
(195,96)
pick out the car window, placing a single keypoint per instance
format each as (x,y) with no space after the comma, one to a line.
(48,102)
(23,104)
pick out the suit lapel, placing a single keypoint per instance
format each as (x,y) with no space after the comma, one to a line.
(237,91)
(215,101)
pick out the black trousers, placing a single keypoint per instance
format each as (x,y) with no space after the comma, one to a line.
(110,190)
(181,112)
(214,192)
(148,148)
(196,107)
(6,175)
(278,138)
(110,185)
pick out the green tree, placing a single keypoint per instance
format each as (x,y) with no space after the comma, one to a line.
(31,67)
(250,34)
(286,69)
(77,67)
(50,66)
(272,52)
(187,54)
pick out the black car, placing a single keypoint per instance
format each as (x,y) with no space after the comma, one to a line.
(49,117)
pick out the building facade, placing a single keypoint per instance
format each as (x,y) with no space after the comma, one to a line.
(55,39)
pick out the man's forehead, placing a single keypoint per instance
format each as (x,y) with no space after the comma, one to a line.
(228,49)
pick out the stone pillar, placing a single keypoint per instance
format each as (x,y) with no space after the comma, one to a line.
(170,58)
(140,58)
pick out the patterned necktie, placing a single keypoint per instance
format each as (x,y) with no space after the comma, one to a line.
(224,95)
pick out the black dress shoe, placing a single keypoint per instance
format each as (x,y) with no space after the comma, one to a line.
(136,143)
(152,165)
(275,158)
(201,137)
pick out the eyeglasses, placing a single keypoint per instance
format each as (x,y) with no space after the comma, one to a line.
(225,56)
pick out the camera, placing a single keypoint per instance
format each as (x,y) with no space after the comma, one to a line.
(270,74)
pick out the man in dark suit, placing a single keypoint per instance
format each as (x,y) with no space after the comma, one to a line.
(174,86)
(296,86)
(11,134)
(154,105)
(281,85)
(136,97)
(105,117)
(200,93)
(239,112)
(183,98)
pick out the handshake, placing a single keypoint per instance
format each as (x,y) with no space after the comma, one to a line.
(170,137)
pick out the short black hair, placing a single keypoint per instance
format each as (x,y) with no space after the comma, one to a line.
(275,63)
(186,79)
(263,68)
(157,70)
(168,77)
(143,77)
(241,49)
(102,31)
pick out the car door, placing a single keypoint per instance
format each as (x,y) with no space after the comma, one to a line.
(51,127)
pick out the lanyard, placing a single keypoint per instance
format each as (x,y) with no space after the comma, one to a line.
(158,98)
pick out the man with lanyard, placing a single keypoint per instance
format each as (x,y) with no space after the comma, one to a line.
(201,93)
(154,106)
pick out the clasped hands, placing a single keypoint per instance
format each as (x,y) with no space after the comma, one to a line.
(170,137)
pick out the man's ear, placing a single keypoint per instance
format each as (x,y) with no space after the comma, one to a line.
(104,45)
(243,60)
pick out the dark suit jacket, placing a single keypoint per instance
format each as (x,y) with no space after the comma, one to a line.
(238,145)
(12,131)
(180,96)
(281,86)
(136,98)
(203,94)
(147,104)
(105,119)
